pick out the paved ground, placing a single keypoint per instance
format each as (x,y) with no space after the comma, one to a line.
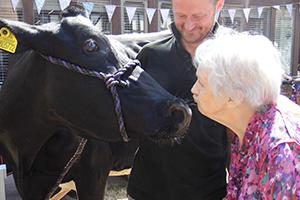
(12,194)
(10,189)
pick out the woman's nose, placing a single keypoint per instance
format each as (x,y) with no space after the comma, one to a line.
(193,89)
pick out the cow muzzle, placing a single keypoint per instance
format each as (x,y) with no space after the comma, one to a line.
(181,115)
(175,123)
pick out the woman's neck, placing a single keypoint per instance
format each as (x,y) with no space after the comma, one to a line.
(238,120)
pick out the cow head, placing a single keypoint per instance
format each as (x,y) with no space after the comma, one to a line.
(83,102)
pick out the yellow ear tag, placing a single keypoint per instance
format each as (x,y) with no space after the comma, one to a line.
(8,41)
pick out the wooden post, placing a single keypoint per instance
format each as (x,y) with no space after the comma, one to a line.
(28,11)
(296,41)
(153,27)
(116,18)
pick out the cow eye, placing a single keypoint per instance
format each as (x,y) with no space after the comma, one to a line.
(90,46)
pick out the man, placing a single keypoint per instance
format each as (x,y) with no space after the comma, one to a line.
(195,168)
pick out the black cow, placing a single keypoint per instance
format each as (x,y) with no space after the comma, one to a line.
(45,108)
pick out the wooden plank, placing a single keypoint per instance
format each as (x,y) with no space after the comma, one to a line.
(296,41)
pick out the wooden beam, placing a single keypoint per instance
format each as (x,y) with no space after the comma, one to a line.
(28,11)
(255,3)
(153,27)
(272,25)
(116,18)
(296,41)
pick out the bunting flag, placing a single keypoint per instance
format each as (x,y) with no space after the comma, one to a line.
(247,13)
(164,14)
(276,7)
(110,9)
(64,4)
(259,11)
(130,12)
(232,14)
(289,8)
(150,13)
(14,4)
(39,4)
(88,6)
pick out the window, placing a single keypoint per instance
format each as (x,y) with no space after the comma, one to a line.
(3,66)
(164,24)
(262,25)
(284,35)
(100,20)
(137,24)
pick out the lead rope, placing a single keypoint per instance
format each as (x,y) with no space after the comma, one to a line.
(111,80)
(68,166)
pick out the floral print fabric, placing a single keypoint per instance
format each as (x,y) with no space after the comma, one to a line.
(267,163)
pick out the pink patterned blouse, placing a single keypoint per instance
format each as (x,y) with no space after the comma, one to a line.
(266,165)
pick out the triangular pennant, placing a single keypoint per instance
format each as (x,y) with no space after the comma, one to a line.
(247,13)
(232,14)
(130,12)
(110,9)
(276,7)
(259,11)
(150,13)
(88,6)
(14,4)
(64,4)
(39,5)
(164,14)
(289,8)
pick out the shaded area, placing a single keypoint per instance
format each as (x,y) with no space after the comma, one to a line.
(115,189)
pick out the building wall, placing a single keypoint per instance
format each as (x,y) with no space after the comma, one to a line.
(6,10)
(278,26)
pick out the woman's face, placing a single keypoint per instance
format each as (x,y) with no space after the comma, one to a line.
(208,104)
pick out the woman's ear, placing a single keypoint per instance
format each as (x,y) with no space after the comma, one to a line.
(236,99)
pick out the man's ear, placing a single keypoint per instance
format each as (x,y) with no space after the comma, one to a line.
(219,5)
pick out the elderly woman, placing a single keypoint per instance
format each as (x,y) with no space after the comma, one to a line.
(238,85)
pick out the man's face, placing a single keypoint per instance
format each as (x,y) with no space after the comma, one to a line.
(194,19)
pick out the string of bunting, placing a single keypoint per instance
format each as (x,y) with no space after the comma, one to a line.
(110,9)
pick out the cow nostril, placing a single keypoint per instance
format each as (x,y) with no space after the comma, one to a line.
(181,116)
(177,115)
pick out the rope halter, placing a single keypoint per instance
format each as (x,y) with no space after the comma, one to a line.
(110,80)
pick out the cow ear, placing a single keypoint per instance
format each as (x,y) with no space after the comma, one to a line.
(8,41)
(18,36)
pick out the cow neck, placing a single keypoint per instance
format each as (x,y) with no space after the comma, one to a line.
(111,80)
